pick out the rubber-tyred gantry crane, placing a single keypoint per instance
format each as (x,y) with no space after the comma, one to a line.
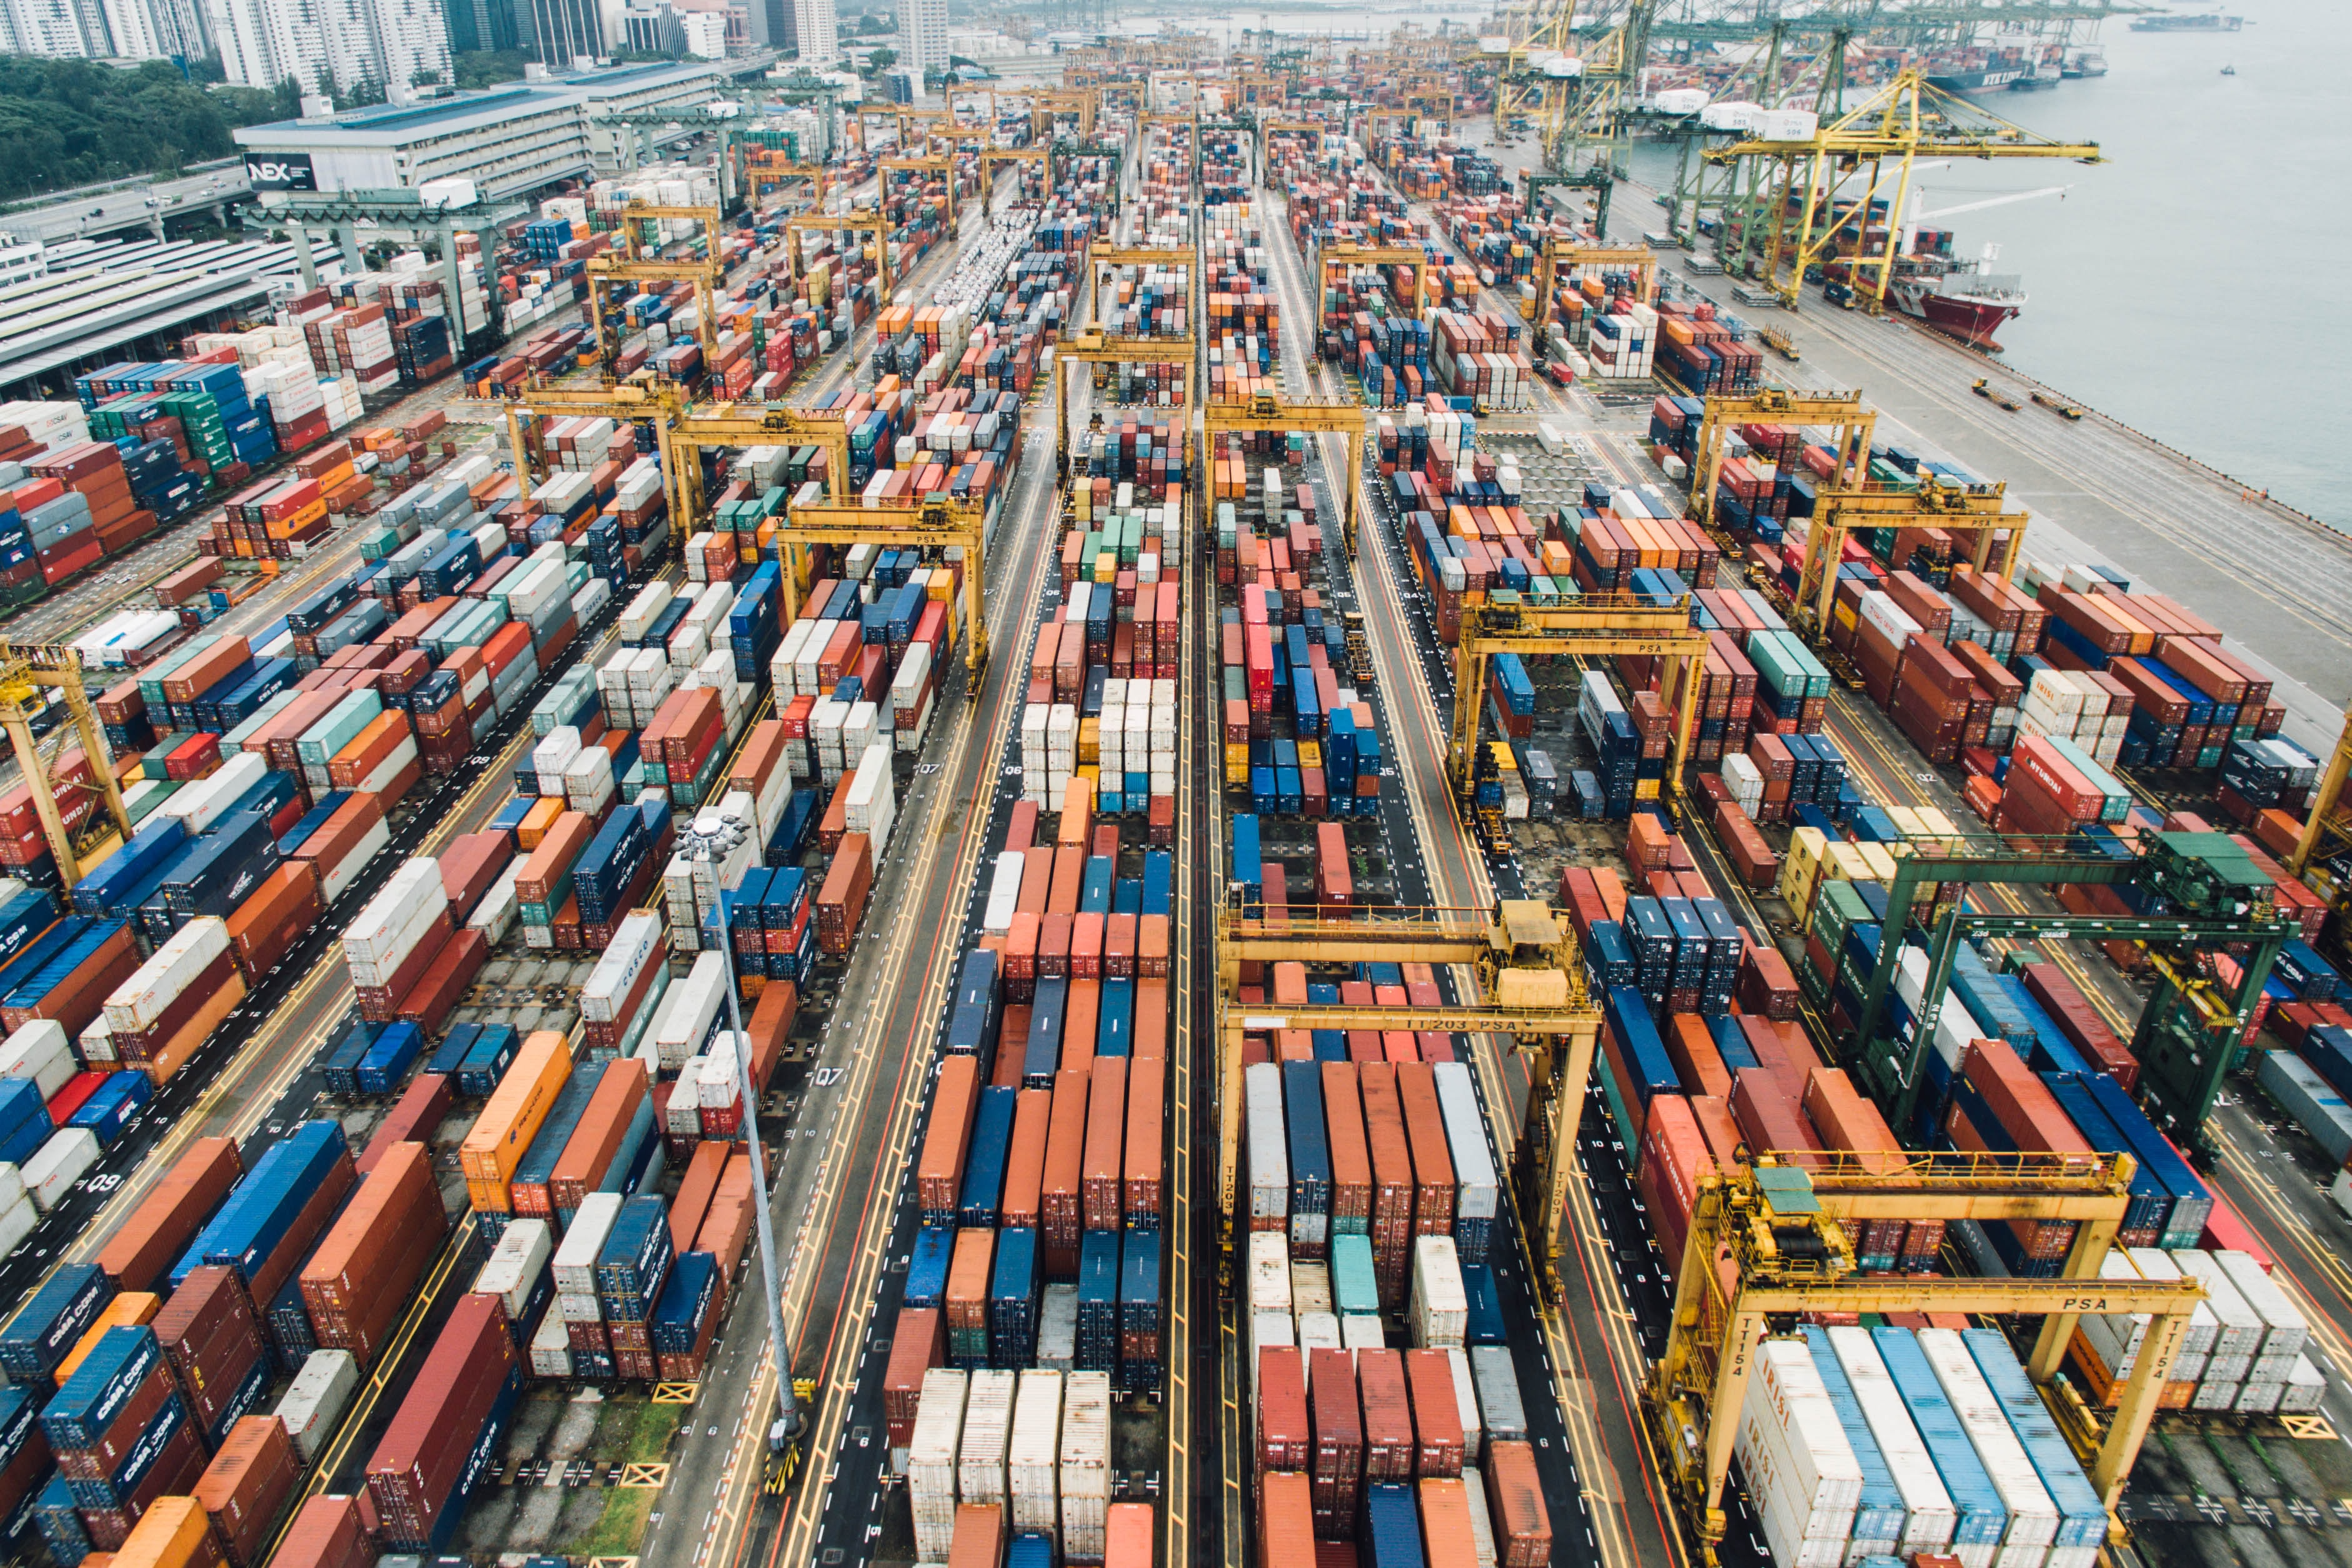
(1530,978)
(1841,412)
(1782,1224)
(27,670)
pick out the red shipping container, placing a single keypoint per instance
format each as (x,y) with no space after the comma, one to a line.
(418,1465)
(1338,1472)
(152,1239)
(327,1532)
(1285,1439)
(415,1115)
(1436,1413)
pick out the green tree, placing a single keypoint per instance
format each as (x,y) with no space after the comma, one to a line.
(69,122)
(881,61)
(476,69)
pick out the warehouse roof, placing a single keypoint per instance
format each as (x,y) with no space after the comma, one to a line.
(99,296)
(401,126)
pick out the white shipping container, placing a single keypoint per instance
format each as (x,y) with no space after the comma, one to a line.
(383,931)
(987,1441)
(1476,1195)
(932,1461)
(689,1010)
(1319,1331)
(1269,1156)
(550,1349)
(205,801)
(1482,1523)
(1269,1272)
(63,1160)
(2032,1517)
(636,938)
(575,1260)
(1033,1459)
(684,1112)
(2240,1336)
(1362,1331)
(1085,1475)
(1929,1517)
(1271,1331)
(156,984)
(1466,1400)
(315,1401)
(1791,1444)
(1440,1306)
(515,1264)
(16,1222)
(41,1052)
(12,1188)
(494,914)
(2285,1332)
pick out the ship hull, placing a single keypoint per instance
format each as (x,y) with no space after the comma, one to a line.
(1985,80)
(1972,322)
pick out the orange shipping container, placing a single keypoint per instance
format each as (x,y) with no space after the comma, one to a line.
(163,1224)
(508,1123)
(1515,1500)
(246,1489)
(173,1534)
(595,1142)
(127,1311)
(274,916)
(1147,1087)
(357,1282)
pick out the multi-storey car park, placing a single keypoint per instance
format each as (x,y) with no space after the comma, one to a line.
(1325,958)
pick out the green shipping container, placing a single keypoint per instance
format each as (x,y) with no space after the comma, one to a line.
(332,734)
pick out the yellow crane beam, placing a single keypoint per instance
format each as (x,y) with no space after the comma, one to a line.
(659,404)
(1095,347)
(871,223)
(934,523)
(1595,627)
(1531,977)
(2324,803)
(1332,258)
(1265,412)
(1977,510)
(1839,410)
(1556,254)
(889,166)
(1751,1217)
(28,669)
(740,424)
(1905,121)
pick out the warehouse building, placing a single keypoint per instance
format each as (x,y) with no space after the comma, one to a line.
(101,300)
(513,140)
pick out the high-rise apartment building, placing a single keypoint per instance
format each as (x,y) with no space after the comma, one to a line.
(923,35)
(814,32)
(330,46)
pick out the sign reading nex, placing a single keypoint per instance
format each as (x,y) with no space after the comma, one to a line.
(279,171)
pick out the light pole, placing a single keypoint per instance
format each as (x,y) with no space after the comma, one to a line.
(788,1415)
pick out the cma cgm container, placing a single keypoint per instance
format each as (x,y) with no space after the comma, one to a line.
(442,1436)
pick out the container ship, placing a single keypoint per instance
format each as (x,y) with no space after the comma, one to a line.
(1960,298)
(2208,22)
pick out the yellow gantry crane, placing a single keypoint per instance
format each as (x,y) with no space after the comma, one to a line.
(27,671)
(1273,126)
(945,166)
(738,425)
(989,157)
(1782,1224)
(1265,412)
(1809,192)
(1530,977)
(1837,411)
(761,178)
(1979,511)
(871,223)
(1095,347)
(1340,256)
(657,404)
(1555,255)
(936,522)
(708,275)
(1596,627)
(1049,104)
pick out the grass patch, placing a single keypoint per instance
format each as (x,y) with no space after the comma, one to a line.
(650,1433)
(619,1530)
